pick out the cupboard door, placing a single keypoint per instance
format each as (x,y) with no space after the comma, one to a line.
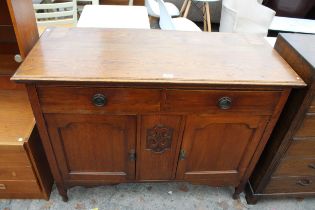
(217,149)
(159,147)
(93,147)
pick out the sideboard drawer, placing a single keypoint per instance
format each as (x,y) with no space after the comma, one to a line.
(296,167)
(307,126)
(98,100)
(302,148)
(312,106)
(290,185)
(13,156)
(256,102)
(29,186)
(17,173)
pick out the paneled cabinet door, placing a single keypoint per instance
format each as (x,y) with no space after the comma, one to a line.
(158,150)
(94,147)
(217,149)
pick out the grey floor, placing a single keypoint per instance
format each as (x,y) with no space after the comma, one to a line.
(164,196)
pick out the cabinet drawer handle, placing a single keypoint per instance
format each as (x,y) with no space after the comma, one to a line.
(99,100)
(225,102)
(18,58)
(304,182)
(312,165)
(3,187)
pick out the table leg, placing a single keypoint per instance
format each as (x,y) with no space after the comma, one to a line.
(187,8)
(208,16)
(183,8)
(204,15)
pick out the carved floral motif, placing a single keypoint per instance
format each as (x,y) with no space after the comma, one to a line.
(159,138)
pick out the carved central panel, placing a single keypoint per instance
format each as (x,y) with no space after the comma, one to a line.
(159,138)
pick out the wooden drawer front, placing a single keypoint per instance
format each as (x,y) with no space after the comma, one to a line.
(291,185)
(312,106)
(79,100)
(17,173)
(307,128)
(19,187)
(302,148)
(296,167)
(259,102)
(13,156)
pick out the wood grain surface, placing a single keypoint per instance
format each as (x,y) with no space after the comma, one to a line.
(139,56)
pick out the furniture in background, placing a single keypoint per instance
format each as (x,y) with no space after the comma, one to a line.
(82,3)
(56,14)
(122,2)
(114,16)
(133,118)
(154,9)
(271,40)
(206,11)
(24,171)
(295,25)
(180,24)
(245,16)
(294,9)
(287,166)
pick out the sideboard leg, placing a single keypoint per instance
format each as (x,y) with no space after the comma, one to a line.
(236,194)
(65,198)
(62,192)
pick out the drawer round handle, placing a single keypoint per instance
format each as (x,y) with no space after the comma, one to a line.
(312,165)
(99,100)
(225,103)
(18,58)
(304,182)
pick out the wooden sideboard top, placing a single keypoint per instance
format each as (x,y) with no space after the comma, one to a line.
(154,56)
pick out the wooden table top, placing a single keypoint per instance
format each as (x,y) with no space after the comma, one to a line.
(114,16)
(155,56)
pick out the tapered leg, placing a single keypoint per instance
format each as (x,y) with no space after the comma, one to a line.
(183,8)
(62,192)
(238,190)
(187,9)
(208,16)
(204,13)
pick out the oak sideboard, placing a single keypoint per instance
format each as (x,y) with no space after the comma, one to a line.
(117,105)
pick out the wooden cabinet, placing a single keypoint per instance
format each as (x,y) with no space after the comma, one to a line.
(215,148)
(134,119)
(94,147)
(24,169)
(287,166)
